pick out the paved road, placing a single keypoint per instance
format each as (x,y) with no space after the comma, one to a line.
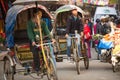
(66,71)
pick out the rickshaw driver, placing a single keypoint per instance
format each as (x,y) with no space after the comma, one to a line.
(34,36)
(74,23)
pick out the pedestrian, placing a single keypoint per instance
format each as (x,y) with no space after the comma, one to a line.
(103,28)
(34,36)
(74,23)
(106,27)
(90,24)
(97,26)
(87,37)
(112,25)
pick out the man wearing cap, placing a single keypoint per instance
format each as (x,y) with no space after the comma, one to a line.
(74,23)
(34,35)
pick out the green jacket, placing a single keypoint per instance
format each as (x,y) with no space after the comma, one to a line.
(33,30)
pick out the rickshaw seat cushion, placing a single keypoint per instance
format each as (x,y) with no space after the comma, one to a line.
(23,47)
(61,30)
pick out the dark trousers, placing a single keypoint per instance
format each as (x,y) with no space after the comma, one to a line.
(36,58)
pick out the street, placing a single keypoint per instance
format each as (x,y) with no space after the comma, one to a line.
(28,29)
(67,71)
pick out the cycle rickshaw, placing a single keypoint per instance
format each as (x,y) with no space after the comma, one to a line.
(62,14)
(16,20)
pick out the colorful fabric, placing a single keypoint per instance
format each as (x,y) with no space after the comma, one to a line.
(96,2)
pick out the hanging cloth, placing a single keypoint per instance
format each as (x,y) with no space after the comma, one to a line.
(3,6)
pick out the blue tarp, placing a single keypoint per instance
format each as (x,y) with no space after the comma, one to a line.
(11,21)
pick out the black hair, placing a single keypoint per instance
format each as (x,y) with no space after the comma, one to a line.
(35,10)
(97,20)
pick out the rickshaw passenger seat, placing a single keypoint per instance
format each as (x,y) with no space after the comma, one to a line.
(20,37)
(22,45)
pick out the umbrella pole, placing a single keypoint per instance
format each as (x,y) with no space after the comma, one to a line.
(42,47)
(36,4)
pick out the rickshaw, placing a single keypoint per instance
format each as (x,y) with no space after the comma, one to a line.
(18,44)
(62,14)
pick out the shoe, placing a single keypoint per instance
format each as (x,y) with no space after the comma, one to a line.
(37,72)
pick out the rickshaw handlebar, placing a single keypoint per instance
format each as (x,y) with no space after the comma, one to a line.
(73,36)
(38,45)
(45,43)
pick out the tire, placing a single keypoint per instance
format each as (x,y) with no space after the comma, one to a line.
(78,67)
(8,70)
(53,72)
(76,61)
(86,62)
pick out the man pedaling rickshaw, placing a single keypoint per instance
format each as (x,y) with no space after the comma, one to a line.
(34,36)
(74,23)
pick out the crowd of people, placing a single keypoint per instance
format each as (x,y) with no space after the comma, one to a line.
(105,25)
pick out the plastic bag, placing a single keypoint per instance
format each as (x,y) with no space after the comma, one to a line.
(105,44)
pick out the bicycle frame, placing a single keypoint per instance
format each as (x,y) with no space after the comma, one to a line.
(74,44)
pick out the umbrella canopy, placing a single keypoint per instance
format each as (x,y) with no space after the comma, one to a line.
(68,8)
(30,1)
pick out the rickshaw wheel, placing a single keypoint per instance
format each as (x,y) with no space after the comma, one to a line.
(8,70)
(76,59)
(86,60)
(52,75)
(78,67)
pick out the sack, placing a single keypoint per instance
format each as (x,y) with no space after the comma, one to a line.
(105,44)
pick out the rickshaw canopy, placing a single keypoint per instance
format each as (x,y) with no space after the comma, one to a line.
(68,8)
(30,1)
(12,16)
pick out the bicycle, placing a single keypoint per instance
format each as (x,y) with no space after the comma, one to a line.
(76,54)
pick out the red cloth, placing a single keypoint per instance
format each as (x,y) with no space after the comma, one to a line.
(87,32)
(118,26)
(24,46)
